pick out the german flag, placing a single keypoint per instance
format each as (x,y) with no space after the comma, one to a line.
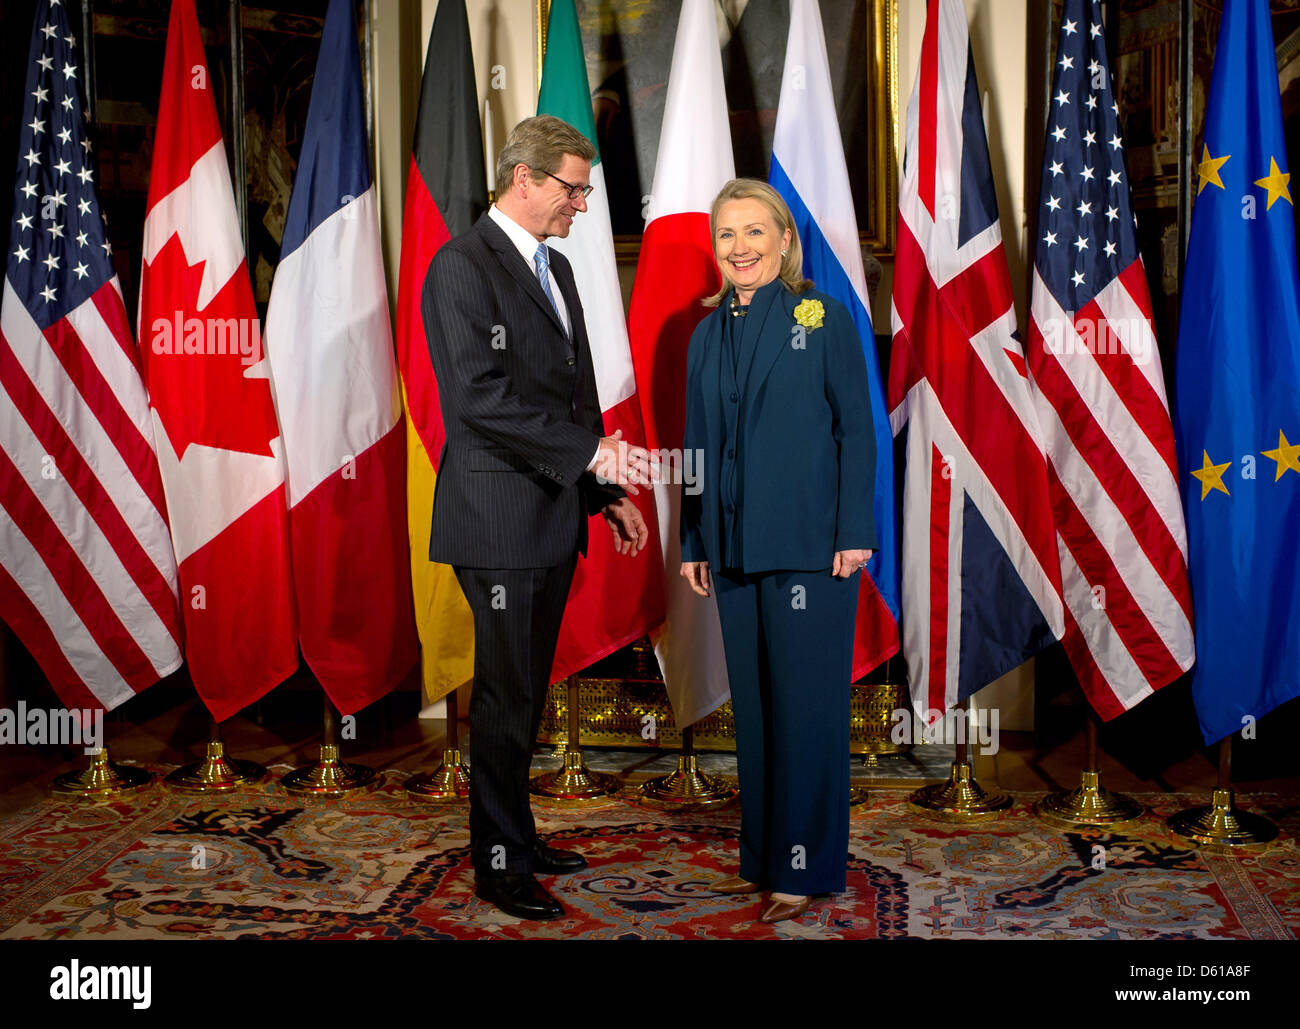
(446,191)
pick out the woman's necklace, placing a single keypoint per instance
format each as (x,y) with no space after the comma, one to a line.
(738,310)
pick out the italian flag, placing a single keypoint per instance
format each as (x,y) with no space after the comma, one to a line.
(614,600)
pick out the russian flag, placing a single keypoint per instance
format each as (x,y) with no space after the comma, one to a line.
(809,171)
(330,344)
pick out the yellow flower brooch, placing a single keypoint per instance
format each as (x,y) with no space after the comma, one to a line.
(809,314)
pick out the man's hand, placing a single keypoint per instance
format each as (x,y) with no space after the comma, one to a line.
(629,528)
(619,462)
(849,561)
(697,574)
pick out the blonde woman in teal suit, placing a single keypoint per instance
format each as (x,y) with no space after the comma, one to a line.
(777,411)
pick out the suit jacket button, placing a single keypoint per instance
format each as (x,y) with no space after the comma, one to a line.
(731,453)
(733,398)
(571,361)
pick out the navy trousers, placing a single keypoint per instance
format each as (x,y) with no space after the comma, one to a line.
(788,638)
(517,616)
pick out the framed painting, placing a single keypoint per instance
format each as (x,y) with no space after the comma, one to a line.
(628,46)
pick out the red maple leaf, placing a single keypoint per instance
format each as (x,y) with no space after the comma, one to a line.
(203,397)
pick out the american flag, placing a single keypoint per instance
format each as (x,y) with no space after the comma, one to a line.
(1096,371)
(87,574)
(981,574)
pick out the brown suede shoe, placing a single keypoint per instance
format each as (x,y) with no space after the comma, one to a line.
(780,910)
(733,885)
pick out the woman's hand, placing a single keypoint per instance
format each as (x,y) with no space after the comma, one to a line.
(697,574)
(847,562)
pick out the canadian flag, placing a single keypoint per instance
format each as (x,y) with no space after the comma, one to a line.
(675,272)
(214,419)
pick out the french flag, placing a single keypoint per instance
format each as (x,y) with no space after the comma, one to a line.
(809,171)
(330,344)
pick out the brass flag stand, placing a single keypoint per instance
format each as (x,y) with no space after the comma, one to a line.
(1222,823)
(686,788)
(574,784)
(101,780)
(449,782)
(216,772)
(329,777)
(961,798)
(1090,804)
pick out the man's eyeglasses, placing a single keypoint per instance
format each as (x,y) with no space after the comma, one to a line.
(574,191)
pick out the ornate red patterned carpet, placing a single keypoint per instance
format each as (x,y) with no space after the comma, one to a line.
(262,864)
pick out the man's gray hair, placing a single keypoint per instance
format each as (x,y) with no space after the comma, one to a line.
(540,143)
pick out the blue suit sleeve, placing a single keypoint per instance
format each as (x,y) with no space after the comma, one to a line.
(692,507)
(847,391)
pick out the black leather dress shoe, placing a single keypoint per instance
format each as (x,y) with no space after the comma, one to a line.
(518,895)
(553,861)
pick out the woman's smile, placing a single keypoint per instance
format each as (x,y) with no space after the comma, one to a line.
(748,246)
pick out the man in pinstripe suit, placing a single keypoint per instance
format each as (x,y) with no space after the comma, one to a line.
(525,464)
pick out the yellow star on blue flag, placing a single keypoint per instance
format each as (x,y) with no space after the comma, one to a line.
(1210,476)
(1207,172)
(1287,455)
(1277,182)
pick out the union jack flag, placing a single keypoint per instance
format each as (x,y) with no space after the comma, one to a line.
(88,579)
(981,573)
(1096,370)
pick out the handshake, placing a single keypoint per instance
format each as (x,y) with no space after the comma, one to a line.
(619,462)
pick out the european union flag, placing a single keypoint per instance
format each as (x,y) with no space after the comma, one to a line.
(1238,403)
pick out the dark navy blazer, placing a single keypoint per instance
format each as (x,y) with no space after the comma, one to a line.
(807,451)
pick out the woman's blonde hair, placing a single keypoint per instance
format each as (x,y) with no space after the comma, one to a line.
(792,263)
